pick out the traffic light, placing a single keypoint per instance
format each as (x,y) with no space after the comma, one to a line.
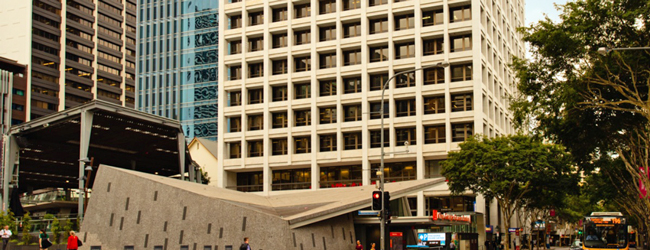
(387,202)
(376,200)
(579,232)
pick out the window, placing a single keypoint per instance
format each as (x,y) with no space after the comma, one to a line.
(291,179)
(280,93)
(234,124)
(302,63)
(327,60)
(327,6)
(235,22)
(279,146)
(405,108)
(434,105)
(17,107)
(45,20)
(234,150)
(398,171)
(234,98)
(327,87)
(352,113)
(327,115)
(234,47)
(255,18)
(19,92)
(352,140)
(255,148)
(461,132)
(434,17)
(255,96)
(379,25)
(234,72)
(352,85)
(327,143)
(352,57)
(378,54)
(44,105)
(248,182)
(377,2)
(302,144)
(327,33)
(303,117)
(377,81)
(434,46)
(405,50)
(280,14)
(351,29)
(340,176)
(280,67)
(461,43)
(403,22)
(255,122)
(279,119)
(405,80)
(302,37)
(255,70)
(434,76)
(255,44)
(351,4)
(302,90)
(460,14)
(461,72)
(403,135)
(434,134)
(301,10)
(375,138)
(280,40)
(461,102)
(375,110)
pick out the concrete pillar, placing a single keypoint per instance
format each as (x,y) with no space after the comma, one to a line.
(86,126)
(11,156)
(181,154)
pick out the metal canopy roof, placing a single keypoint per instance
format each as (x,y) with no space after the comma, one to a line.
(49,147)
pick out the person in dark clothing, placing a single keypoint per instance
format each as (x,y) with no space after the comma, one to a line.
(245,246)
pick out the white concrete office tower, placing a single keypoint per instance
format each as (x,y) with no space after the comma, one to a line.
(75,51)
(301,81)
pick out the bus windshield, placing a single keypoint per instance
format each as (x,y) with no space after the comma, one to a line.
(605,235)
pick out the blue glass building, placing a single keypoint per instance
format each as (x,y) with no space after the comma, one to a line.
(177,63)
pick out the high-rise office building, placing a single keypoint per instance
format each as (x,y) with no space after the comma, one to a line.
(177,63)
(75,51)
(301,89)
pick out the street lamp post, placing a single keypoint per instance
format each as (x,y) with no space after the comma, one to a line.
(382,224)
(605,50)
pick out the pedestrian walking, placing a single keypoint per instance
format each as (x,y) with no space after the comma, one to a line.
(6,234)
(73,241)
(43,240)
(245,245)
(452,246)
(372,246)
(359,246)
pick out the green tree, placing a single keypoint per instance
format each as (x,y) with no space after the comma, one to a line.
(56,231)
(27,228)
(596,105)
(510,169)
(8,219)
(67,228)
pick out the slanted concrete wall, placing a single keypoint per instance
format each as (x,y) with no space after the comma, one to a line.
(129,210)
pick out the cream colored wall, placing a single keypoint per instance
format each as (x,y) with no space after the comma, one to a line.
(15,41)
(206,161)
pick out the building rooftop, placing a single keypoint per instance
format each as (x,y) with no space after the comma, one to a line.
(49,147)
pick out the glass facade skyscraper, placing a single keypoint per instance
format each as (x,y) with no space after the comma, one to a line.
(177,63)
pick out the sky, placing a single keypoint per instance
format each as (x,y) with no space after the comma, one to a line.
(535,10)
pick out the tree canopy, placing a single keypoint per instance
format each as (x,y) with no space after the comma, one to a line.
(516,170)
(573,95)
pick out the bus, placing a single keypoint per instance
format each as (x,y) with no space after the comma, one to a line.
(605,230)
